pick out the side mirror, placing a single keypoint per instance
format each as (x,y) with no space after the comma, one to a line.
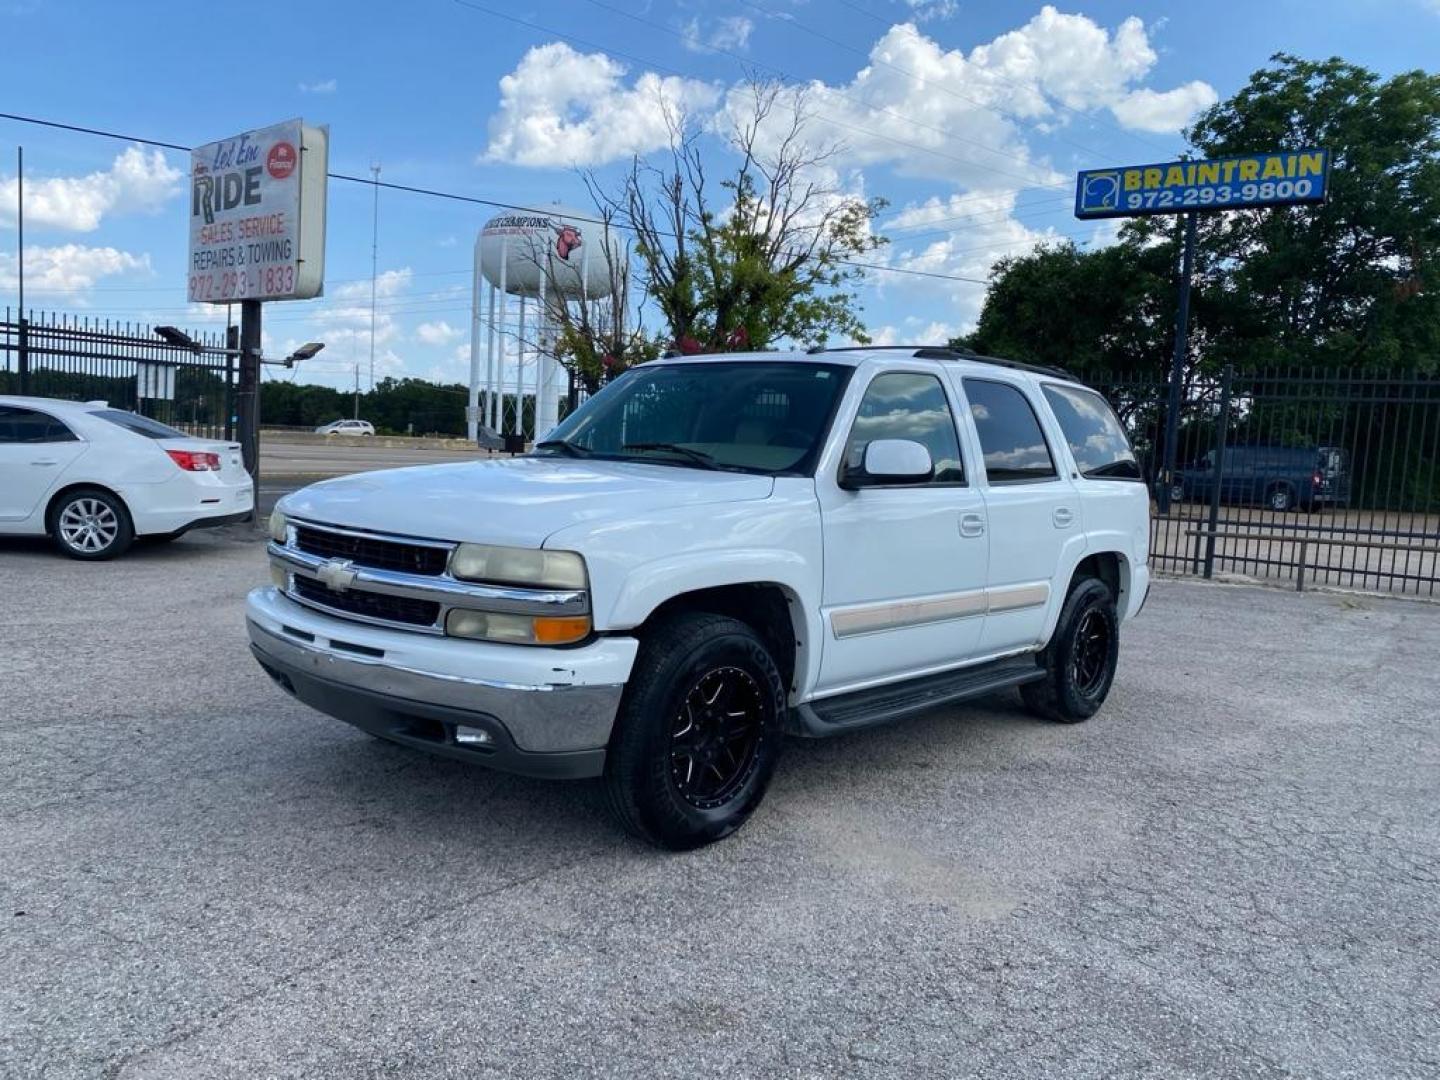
(890,461)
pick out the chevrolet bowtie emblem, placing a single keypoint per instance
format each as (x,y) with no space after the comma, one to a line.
(337,574)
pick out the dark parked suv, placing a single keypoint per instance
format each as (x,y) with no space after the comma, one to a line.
(1279,477)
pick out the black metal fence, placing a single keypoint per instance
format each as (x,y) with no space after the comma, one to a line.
(1312,477)
(125,364)
(1308,476)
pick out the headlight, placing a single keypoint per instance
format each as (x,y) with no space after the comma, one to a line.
(277,526)
(518,566)
(518,629)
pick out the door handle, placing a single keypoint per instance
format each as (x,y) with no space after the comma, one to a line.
(45,461)
(1063,517)
(972,525)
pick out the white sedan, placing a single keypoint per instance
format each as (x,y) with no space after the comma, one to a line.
(346,427)
(93,478)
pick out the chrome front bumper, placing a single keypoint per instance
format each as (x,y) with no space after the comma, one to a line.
(548,712)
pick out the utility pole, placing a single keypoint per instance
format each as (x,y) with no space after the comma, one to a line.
(24,350)
(1177,365)
(20,221)
(356,413)
(374,262)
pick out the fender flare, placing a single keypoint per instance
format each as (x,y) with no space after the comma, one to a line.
(1101,544)
(652,584)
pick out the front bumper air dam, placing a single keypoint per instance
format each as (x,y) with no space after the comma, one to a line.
(423,710)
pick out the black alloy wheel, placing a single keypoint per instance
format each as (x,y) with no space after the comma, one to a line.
(1079,662)
(1090,653)
(716,736)
(698,733)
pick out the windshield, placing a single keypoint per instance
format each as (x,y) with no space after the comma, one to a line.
(751,416)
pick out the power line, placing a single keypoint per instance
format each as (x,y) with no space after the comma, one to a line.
(413,190)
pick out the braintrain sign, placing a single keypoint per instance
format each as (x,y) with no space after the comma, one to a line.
(1175,187)
(257,215)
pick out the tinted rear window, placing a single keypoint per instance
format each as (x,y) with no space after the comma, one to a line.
(28,426)
(1010,437)
(140,425)
(1101,448)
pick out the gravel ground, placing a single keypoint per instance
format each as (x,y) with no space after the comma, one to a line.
(1231,871)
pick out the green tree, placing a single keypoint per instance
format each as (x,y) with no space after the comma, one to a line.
(1107,310)
(1352,283)
(766,254)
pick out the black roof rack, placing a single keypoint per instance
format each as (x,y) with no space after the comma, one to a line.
(950,352)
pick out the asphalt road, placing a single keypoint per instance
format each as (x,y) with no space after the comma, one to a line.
(1231,872)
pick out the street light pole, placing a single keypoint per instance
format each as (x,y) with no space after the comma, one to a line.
(24,342)
(374,263)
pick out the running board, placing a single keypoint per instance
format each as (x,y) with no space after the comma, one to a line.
(894,701)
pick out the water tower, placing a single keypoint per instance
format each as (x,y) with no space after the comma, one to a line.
(535,263)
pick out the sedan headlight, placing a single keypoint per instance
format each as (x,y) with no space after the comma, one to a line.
(277,527)
(518,566)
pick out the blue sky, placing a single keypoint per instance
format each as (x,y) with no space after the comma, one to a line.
(970,117)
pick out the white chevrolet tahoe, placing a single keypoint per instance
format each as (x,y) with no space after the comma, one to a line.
(712,553)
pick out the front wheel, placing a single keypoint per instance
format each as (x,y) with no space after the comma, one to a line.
(1080,660)
(698,734)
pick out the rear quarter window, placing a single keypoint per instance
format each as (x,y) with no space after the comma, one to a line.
(1097,440)
(29,426)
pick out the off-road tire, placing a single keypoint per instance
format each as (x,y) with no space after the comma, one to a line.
(1061,695)
(676,656)
(112,524)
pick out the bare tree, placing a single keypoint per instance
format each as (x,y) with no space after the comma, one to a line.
(767,253)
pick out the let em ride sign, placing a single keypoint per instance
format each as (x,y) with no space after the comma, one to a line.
(257,215)
(1176,187)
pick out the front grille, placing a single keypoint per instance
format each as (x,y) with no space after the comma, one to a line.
(397,609)
(367,551)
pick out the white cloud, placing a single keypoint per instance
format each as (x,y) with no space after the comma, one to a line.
(69,268)
(730,33)
(913,331)
(560,107)
(930,10)
(979,229)
(962,118)
(437,333)
(327,86)
(1149,110)
(135,181)
(388,283)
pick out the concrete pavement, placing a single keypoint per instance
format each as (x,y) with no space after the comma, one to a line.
(1230,872)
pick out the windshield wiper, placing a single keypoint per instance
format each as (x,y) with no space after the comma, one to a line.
(570,449)
(698,456)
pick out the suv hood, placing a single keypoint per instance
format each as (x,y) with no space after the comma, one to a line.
(517,501)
